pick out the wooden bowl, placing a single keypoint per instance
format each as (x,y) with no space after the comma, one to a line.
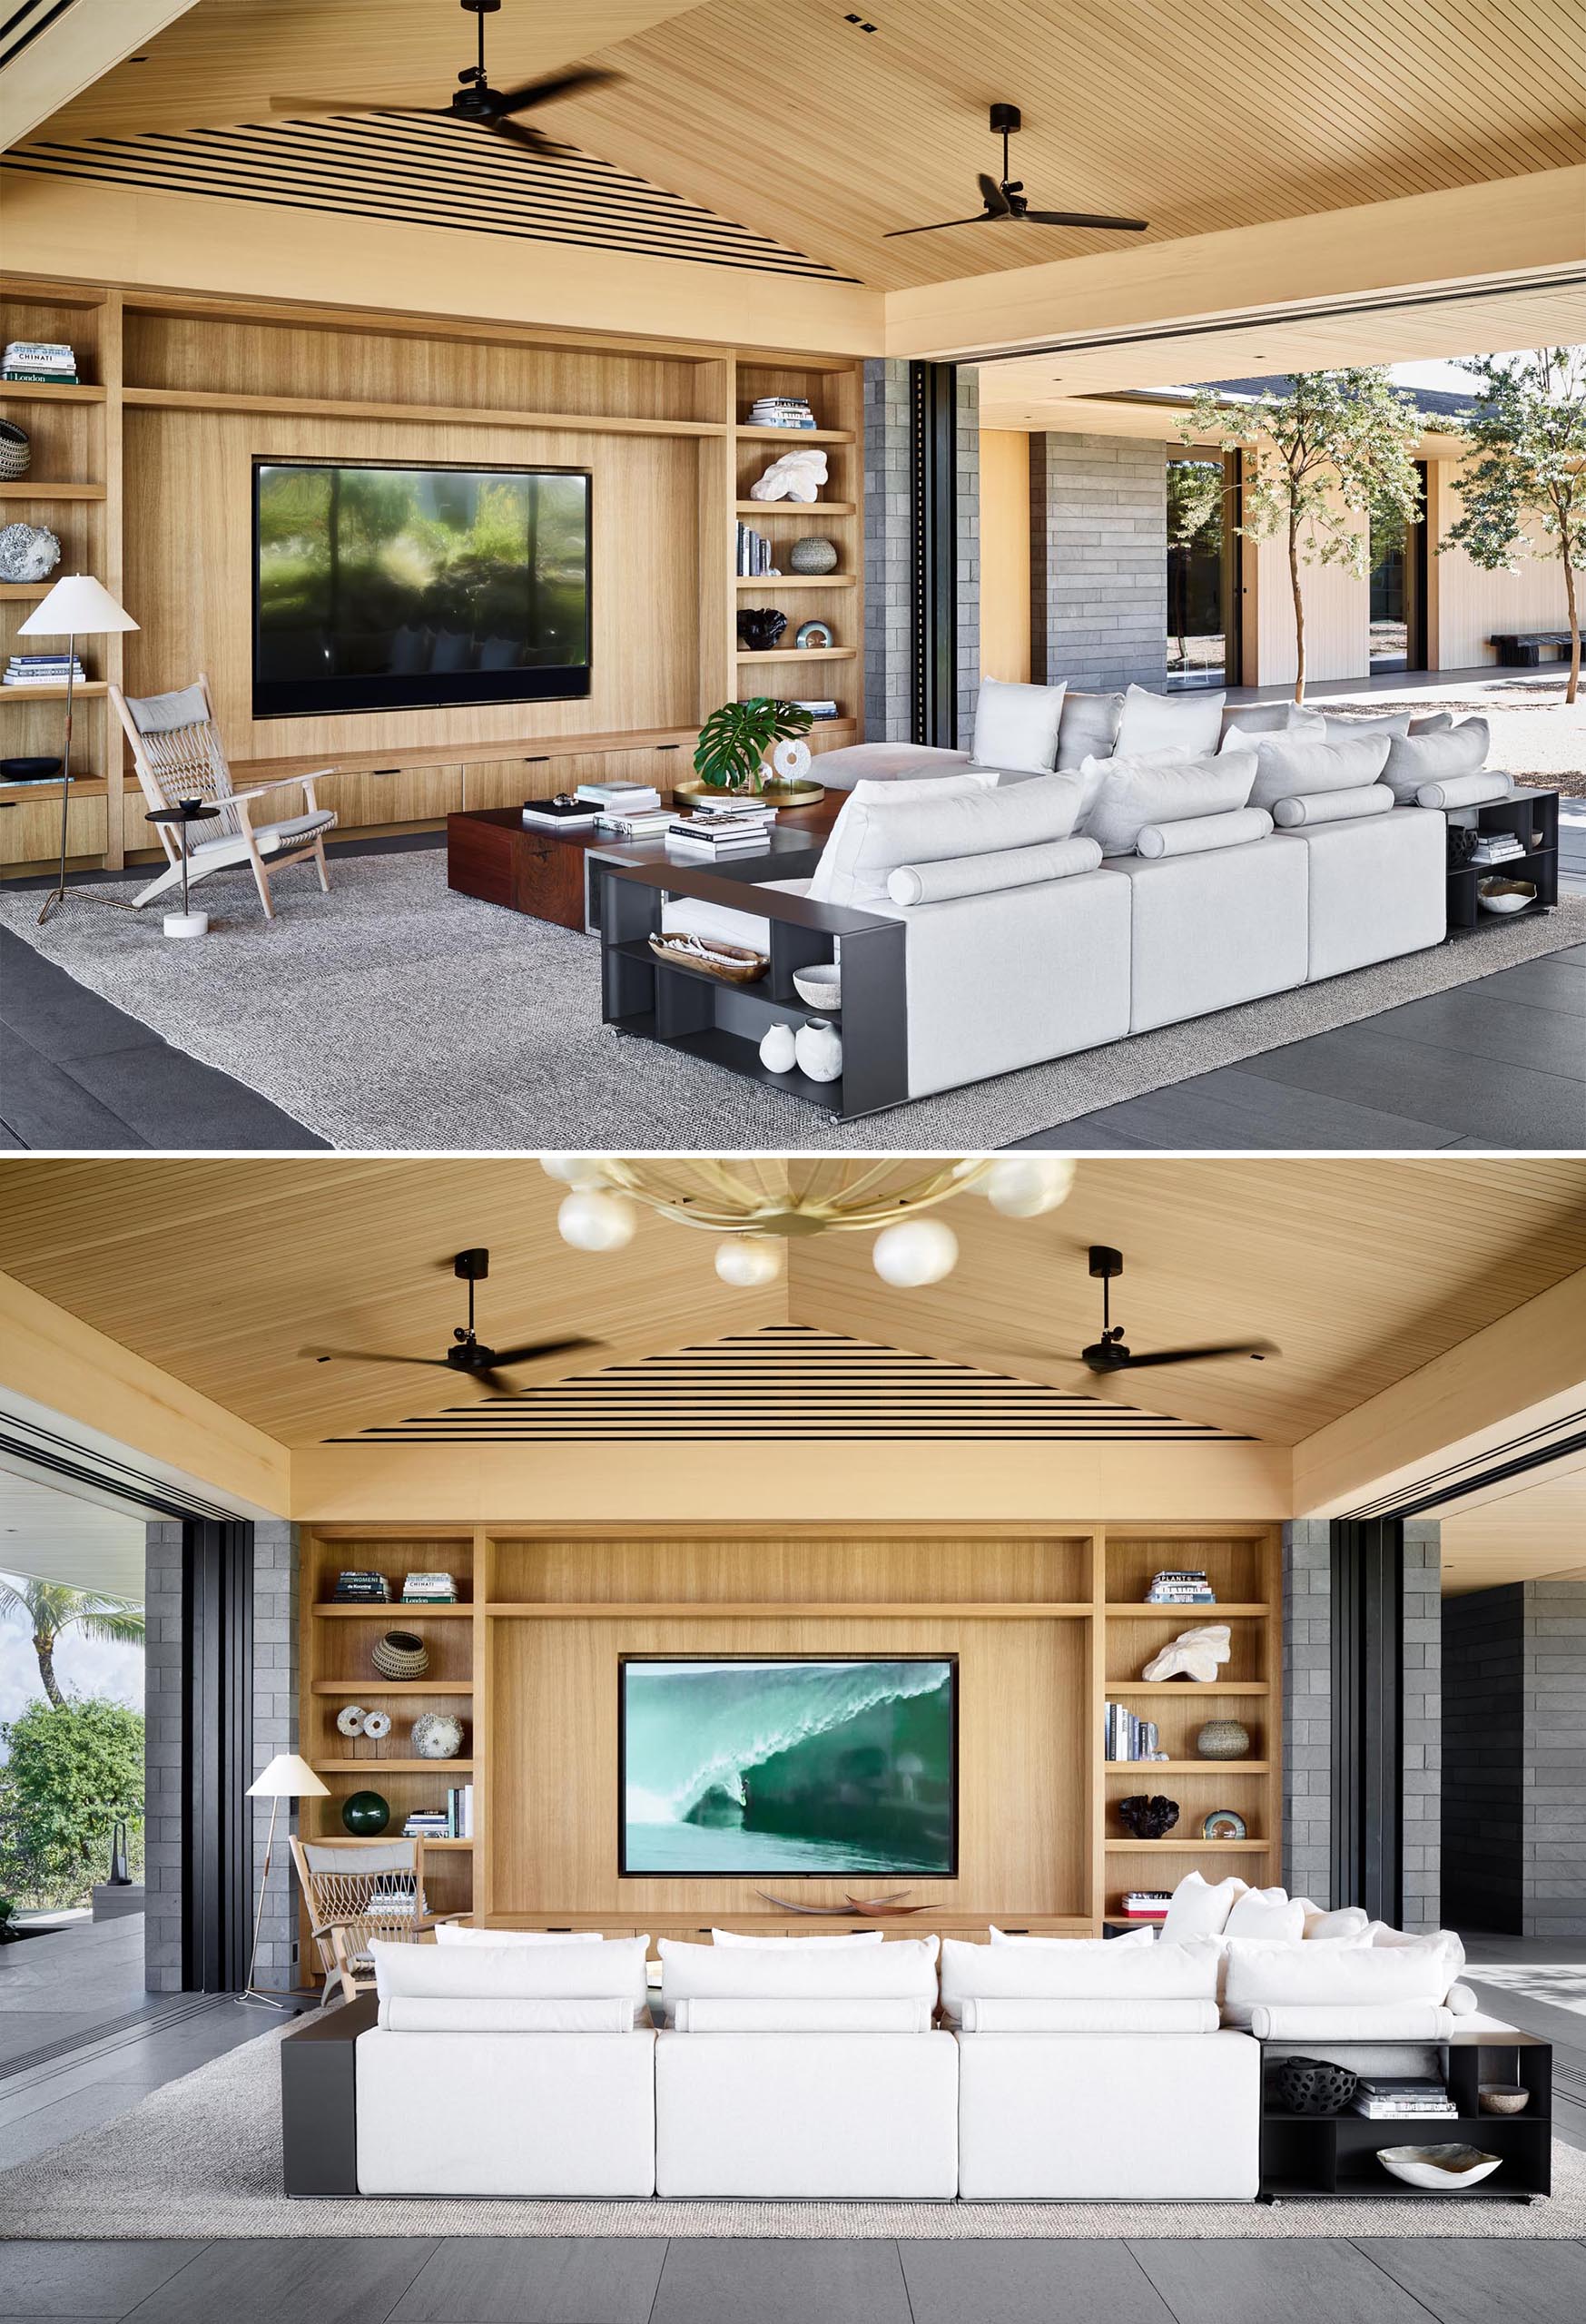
(728,963)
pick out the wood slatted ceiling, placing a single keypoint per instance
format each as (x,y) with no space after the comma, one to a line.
(1251,111)
(1537,1532)
(424,173)
(785,1383)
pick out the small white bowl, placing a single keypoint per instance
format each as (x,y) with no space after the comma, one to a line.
(1449,2169)
(1504,895)
(821,987)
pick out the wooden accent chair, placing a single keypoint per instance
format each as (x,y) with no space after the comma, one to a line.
(357,1890)
(179,754)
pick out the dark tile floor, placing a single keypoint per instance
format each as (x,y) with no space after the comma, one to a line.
(506,2280)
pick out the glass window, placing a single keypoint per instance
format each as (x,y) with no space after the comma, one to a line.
(1196,573)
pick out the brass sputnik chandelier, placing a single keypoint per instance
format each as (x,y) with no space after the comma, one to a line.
(757,1206)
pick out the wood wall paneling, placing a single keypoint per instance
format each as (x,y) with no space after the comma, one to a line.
(1005,552)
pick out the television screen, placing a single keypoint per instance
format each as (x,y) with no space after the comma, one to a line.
(796,1765)
(394,588)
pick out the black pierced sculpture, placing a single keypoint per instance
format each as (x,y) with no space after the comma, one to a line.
(760,628)
(1149,1819)
(1314,2087)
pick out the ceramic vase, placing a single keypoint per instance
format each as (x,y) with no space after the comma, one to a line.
(1223,1739)
(401,1654)
(779,1049)
(819,1050)
(437,1736)
(813,555)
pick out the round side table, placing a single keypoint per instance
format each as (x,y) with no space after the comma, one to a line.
(188,812)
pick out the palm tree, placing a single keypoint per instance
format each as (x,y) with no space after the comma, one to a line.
(52,1607)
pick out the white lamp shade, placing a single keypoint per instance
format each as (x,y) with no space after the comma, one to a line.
(78,606)
(288,1778)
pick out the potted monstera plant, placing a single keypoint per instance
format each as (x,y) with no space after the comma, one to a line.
(735,740)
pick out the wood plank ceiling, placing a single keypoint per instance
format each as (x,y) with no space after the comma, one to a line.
(219,1271)
(829,135)
(1535,1530)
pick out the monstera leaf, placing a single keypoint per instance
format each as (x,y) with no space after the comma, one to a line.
(735,740)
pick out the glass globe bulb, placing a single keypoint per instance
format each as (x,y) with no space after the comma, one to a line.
(747,1261)
(573,1169)
(1026,1185)
(593,1220)
(915,1252)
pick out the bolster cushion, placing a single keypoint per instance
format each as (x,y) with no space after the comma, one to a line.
(1478,790)
(977,875)
(709,2014)
(401,2014)
(1416,759)
(1295,766)
(1145,2015)
(1333,806)
(1236,829)
(1403,2021)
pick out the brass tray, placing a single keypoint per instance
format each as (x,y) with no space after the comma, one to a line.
(776,795)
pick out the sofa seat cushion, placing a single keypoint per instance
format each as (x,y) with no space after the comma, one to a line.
(881,827)
(1208,931)
(1378,887)
(1295,766)
(806,2115)
(1094,2117)
(554,2114)
(1166,786)
(884,763)
(1016,726)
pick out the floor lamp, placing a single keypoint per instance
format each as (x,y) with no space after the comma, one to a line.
(76,608)
(286,1777)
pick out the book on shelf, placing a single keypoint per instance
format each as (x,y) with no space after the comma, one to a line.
(429,1589)
(358,1584)
(1127,1738)
(1388,2097)
(1146,1904)
(821,709)
(460,1812)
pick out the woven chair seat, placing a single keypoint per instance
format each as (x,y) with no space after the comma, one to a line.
(273,837)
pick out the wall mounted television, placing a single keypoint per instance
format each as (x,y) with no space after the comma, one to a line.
(391,587)
(787,1766)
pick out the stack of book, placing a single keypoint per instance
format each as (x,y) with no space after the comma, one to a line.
(48,360)
(824,709)
(42,669)
(460,1811)
(429,1589)
(780,411)
(738,829)
(357,1585)
(1124,1737)
(1146,1904)
(627,810)
(1181,1585)
(561,816)
(427,1823)
(753,552)
(1386,2098)
(1497,847)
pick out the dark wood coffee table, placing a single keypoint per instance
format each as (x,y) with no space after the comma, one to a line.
(492,853)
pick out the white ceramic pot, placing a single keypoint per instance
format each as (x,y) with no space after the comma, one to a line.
(819,1050)
(779,1049)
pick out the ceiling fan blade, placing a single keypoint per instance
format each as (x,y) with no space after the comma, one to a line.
(352,105)
(368,1355)
(1200,1354)
(546,93)
(519,133)
(505,1356)
(942,224)
(997,202)
(1081,218)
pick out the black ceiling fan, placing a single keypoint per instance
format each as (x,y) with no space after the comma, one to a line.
(469,1354)
(1109,1353)
(1003,201)
(474,100)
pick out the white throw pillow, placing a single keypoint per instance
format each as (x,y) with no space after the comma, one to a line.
(1017,726)
(1343,730)
(1078,1969)
(1396,1939)
(775,1944)
(1088,729)
(1131,1937)
(1200,1907)
(1294,767)
(1415,759)
(903,1967)
(884,826)
(450,1933)
(1271,718)
(1265,1917)
(1163,787)
(511,1972)
(1333,1977)
(1170,721)
(1436,722)
(1348,1925)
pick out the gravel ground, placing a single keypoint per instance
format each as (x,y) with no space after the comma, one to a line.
(1536,736)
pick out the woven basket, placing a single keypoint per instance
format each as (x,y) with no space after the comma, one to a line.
(16,451)
(401,1654)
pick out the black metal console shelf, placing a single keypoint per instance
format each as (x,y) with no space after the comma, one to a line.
(1307,2158)
(685,1008)
(1533,816)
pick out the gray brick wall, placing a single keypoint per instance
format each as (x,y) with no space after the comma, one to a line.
(1098,561)
(967,522)
(1514,1781)
(275,1728)
(887,656)
(1307,1710)
(1420,1705)
(162,1712)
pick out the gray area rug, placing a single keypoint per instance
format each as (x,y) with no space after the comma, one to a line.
(392,1015)
(202,2158)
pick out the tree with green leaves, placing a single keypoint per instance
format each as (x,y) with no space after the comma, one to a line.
(70,1770)
(1523,488)
(1317,464)
(51,1609)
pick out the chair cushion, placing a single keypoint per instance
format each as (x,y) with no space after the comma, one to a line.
(296,829)
(1165,722)
(1088,728)
(1163,787)
(1293,767)
(884,826)
(1416,759)
(162,714)
(1017,726)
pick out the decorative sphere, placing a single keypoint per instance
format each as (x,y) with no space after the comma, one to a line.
(437,1736)
(747,1261)
(813,555)
(573,1169)
(915,1252)
(1223,1739)
(366,1814)
(593,1220)
(1026,1185)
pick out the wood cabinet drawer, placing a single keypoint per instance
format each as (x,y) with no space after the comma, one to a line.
(30,829)
(399,794)
(507,782)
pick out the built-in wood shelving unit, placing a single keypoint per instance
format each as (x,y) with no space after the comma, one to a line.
(1049,1624)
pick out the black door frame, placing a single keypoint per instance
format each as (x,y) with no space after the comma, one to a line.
(933,561)
(1368,1803)
(217,1752)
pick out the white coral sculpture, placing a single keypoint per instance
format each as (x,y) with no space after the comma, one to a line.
(1193,1654)
(796,476)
